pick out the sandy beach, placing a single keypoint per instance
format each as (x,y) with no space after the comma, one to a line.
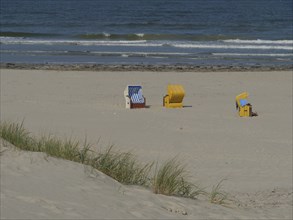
(254,155)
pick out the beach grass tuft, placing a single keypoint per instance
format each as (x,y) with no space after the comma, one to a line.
(17,135)
(217,196)
(65,149)
(122,167)
(171,179)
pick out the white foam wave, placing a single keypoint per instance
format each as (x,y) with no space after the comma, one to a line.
(259,41)
(27,51)
(11,40)
(257,54)
(140,35)
(101,53)
(229,46)
(106,34)
(142,53)
(144,43)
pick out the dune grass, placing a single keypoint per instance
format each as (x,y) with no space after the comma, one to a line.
(169,179)
(123,167)
(17,135)
(218,196)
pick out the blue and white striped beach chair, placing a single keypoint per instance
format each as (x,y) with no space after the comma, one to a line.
(133,97)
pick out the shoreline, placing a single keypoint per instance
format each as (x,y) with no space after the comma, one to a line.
(143,67)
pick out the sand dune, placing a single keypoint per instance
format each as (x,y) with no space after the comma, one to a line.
(35,186)
(253,154)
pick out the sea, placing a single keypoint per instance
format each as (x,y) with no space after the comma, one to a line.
(148,32)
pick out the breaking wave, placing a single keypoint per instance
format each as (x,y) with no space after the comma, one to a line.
(226,44)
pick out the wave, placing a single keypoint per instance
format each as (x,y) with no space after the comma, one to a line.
(99,53)
(46,37)
(18,40)
(234,46)
(106,34)
(254,54)
(144,36)
(142,54)
(111,36)
(101,36)
(150,43)
(123,54)
(259,41)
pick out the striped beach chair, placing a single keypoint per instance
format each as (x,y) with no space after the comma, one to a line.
(134,97)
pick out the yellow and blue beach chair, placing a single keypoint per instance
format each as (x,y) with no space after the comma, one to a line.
(243,106)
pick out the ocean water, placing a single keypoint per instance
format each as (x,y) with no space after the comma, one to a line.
(168,32)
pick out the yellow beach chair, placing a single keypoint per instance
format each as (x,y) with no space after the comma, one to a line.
(174,97)
(244,108)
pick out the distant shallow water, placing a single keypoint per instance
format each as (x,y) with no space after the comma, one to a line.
(246,33)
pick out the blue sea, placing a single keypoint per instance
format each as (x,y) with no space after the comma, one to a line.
(167,32)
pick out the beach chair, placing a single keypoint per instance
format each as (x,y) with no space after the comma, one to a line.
(244,108)
(174,97)
(133,97)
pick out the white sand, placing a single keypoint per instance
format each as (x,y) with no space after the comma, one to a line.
(253,154)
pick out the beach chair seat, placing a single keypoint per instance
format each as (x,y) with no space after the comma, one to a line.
(174,97)
(243,106)
(134,97)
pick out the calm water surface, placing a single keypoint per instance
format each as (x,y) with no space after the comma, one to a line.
(199,32)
